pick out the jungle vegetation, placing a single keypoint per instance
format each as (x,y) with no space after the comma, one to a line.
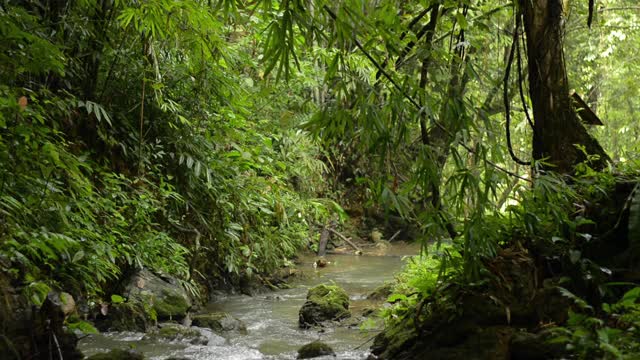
(211,140)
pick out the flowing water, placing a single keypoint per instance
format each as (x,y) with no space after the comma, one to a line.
(272,318)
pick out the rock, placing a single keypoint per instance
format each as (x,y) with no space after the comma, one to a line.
(324,303)
(165,295)
(375,235)
(176,332)
(315,349)
(250,285)
(528,346)
(27,331)
(382,292)
(369,311)
(127,316)
(61,303)
(117,354)
(282,276)
(322,262)
(219,322)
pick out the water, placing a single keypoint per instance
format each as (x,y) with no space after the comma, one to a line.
(272,318)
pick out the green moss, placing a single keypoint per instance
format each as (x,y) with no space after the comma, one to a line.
(117,354)
(314,349)
(324,302)
(170,304)
(176,332)
(128,317)
(382,292)
(330,295)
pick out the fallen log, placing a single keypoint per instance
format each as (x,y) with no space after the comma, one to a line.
(346,239)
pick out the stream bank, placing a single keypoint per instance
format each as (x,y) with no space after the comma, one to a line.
(272,318)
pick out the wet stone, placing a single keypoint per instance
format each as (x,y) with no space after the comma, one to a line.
(117,354)
(220,322)
(176,332)
(315,349)
(324,303)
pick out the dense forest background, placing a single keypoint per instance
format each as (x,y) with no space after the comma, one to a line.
(213,140)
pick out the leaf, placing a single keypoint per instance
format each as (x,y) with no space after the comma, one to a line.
(396,297)
(462,21)
(197,168)
(78,256)
(631,296)
(83,327)
(116,299)
(574,256)
(37,292)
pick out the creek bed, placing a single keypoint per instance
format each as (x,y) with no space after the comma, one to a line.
(272,317)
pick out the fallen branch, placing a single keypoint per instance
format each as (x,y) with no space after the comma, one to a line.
(394,235)
(345,239)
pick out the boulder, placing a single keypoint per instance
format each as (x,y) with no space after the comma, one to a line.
(528,346)
(117,354)
(220,322)
(176,332)
(28,331)
(164,294)
(149,298)
(324,303)
(315,349)
(382,292)
(127,316)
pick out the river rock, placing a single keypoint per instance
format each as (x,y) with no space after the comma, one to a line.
(382,292)
(164,294)
(27,331)
(324,303)
(117,354)
(315,349)
(220,322)
(528,346)
(149,298)
(176,332)
(127,316)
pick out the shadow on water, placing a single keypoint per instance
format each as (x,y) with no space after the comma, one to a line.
(272,318)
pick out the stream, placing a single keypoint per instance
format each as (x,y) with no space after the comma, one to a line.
(272,317)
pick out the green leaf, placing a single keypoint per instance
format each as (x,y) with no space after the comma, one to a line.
(83,327)
(462,21)
(117,299)
(396,297)
(78,256)
(574,256)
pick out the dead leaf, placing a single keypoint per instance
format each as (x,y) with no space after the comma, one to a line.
(23,101)
(104,309)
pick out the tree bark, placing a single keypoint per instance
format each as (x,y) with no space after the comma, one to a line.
(556,126)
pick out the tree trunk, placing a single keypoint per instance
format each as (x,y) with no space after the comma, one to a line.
(557,128)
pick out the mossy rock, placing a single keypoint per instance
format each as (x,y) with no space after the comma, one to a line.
(164,295)
(382,292)
(171,304)
(219,322)
(176,332)
(127,316)
(117,354)
(528,346)
(324,303)
(315,349)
